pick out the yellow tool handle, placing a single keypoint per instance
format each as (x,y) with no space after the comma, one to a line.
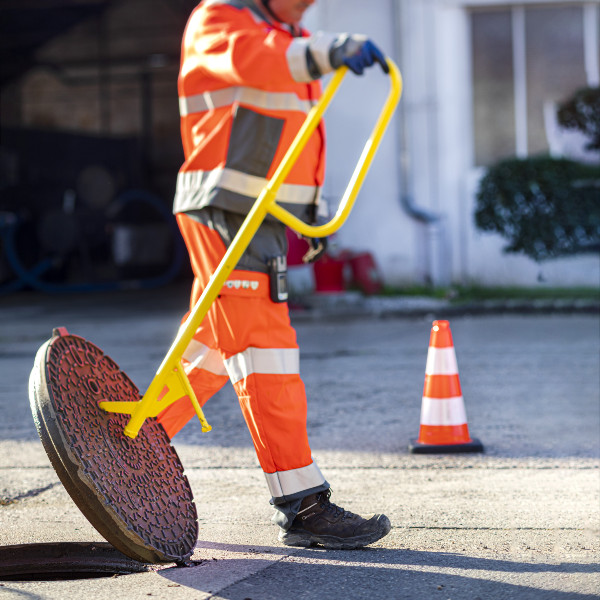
(265,203)
(360,171)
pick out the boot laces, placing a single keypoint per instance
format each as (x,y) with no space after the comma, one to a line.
(329,506)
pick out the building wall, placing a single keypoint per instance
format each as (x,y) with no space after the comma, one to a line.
(114,76)
(117,75)
(429,155)
(542,74)
(377,223)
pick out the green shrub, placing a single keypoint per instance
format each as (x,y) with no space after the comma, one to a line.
(544,207)
(582,112)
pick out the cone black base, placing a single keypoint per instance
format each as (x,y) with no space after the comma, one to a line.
(415,447)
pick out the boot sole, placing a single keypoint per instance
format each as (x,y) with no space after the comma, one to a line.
(306,539)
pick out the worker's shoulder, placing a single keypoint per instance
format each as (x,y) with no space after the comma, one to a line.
(234,3)
(248,5)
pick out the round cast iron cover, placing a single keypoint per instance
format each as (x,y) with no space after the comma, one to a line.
(133,491)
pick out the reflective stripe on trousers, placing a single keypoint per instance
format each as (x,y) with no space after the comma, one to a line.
(249,340)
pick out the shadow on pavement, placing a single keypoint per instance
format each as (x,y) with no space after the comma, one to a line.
(370,572)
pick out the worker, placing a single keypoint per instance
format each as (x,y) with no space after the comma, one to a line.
(249,75)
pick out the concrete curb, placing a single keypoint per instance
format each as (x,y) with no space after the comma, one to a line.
(354,305)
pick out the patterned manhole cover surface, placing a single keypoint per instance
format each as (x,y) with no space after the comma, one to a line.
(133,491)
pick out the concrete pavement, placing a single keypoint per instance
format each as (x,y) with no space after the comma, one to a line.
(521,520)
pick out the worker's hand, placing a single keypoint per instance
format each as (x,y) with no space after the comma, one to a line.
(316,249)
(357,52)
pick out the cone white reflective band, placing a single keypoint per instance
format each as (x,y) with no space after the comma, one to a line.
(441,361)
(447,411)
(200,356)
(244,95)
(244,184)
(265,361)
(286,483)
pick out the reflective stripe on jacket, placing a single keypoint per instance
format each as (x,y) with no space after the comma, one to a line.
(244,92)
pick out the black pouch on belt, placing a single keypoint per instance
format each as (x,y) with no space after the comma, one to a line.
(278,279)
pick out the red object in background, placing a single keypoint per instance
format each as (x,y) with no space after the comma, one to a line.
(329,270)
(365,274)
(329,274)
(297,248)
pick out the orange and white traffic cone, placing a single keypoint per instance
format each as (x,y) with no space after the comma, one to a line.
(443,417)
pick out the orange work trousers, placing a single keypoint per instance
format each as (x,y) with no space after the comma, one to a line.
(247,339)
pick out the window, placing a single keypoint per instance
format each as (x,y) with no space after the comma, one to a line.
(525,57)
(555,66)
(493,86)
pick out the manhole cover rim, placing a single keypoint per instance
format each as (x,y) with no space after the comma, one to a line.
(102,515)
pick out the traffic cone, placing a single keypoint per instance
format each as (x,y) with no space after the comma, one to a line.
(443,417)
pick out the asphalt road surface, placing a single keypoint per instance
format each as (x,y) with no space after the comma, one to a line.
(521,520)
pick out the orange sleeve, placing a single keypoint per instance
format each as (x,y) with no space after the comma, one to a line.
(227,45)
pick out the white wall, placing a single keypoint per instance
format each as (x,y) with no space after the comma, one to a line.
(431,136)
(490,265)
(377,223)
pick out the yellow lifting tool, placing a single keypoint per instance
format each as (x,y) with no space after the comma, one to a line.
(170,382)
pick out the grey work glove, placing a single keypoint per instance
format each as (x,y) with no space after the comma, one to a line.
(327,51)
(316,249)
(357,52)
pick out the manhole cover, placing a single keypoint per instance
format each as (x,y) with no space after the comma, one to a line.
(133,491)
(64,560)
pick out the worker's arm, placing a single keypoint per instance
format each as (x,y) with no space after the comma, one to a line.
(228,44)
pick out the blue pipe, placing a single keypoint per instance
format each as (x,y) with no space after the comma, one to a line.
(8,226)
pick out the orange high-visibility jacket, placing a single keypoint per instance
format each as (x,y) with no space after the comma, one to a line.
(244,91)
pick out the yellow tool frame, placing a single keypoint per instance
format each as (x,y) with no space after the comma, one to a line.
(170,382)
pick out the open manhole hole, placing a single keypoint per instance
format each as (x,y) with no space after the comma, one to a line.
(64,560)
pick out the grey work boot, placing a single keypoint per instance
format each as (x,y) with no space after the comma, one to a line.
(321,522)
